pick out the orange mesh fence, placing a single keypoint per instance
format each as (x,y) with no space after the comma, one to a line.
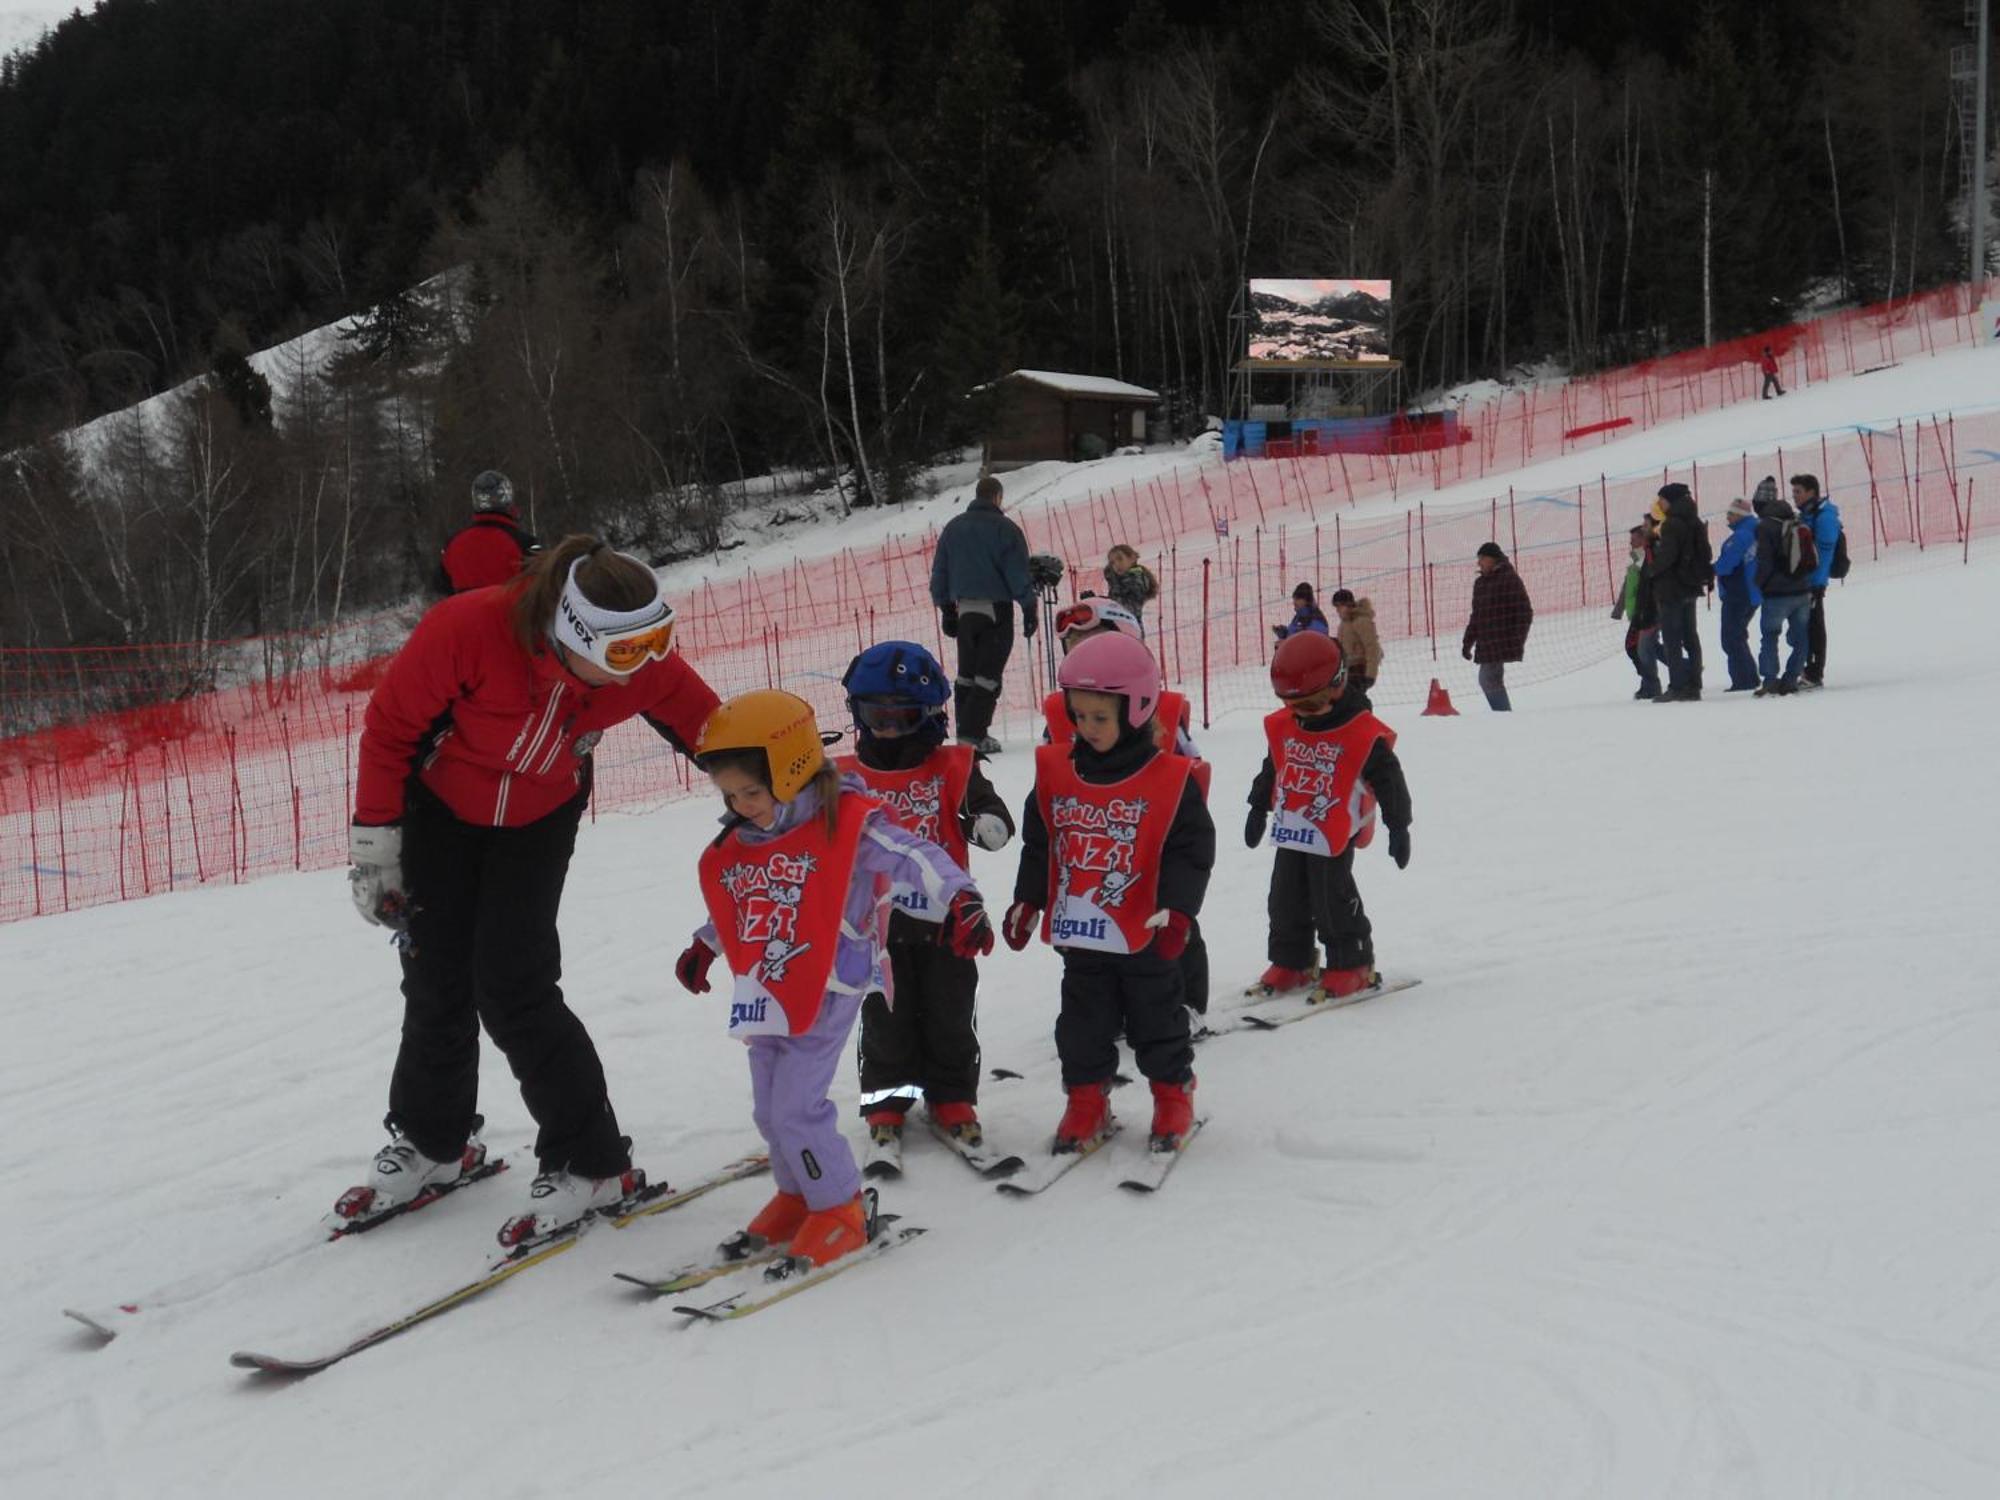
(255,776)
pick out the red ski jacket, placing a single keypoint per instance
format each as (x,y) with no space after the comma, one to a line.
(502,736)
(486,550)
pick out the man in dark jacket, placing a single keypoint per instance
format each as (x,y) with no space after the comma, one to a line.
(1681,569)
(1787,595)
(490,547)
(1497,631)
(978,575)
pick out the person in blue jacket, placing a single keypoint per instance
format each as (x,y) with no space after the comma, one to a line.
(978,575)
(1736,581)
(1823,516)
(1306,615)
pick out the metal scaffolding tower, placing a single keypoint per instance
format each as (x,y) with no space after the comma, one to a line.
(1968,97)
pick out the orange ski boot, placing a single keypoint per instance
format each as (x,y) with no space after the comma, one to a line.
(829,1233)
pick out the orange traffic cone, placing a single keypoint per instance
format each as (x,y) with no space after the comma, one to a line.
(1440,701)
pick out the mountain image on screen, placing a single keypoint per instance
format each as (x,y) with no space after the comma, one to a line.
(1323,319)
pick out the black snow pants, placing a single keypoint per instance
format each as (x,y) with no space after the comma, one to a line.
(984,644)
(1314,896)
(1137,993)
(927,1045)
(483,949)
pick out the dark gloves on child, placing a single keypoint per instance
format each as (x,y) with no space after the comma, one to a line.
(948,620)
(1399,847)
(1253,827)
(1172,928)
(967,932)
(691,968)
(1020,924)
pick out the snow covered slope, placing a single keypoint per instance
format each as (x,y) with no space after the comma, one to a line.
(1673,1179)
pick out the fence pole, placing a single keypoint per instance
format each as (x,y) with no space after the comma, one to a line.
(1966,555)
(62,834)
(122,779)
(1513,529)
(34,840)
(1604,515)
(1431,602)
(235,807)
(139,812)
(1339,556)
(1409,559)
(1205,565)
(1236,608)
(1582,577)
(167,810)
(194,823)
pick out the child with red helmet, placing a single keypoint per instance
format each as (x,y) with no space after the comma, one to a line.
(1329,765)
(1116,850)
(796,885)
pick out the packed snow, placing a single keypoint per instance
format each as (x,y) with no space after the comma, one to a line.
(1666,1181)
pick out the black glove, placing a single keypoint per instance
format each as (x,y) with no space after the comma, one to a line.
(1466,651)
(949,619)
(1030,618)
(1253,827)
(1399,847)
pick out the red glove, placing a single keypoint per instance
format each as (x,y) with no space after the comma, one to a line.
(967,932)
(1170,938)
(1019,927)
(691,968)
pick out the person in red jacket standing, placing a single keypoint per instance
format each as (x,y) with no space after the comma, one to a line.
(491,547)
(474,771)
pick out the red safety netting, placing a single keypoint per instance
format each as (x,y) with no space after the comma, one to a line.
(229,783)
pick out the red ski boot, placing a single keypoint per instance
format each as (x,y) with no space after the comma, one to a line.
(829,1233)
(1173,1114)
(1343,984)
(1279,980)
(959,1120)
(1086,1119)
(778,1220)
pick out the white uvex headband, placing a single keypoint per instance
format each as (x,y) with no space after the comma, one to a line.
(587,628)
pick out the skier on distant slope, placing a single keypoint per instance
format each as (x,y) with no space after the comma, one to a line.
(1116,852)
(492,546)
(918,1036)
(474,770)
(796,886)
(1330,761)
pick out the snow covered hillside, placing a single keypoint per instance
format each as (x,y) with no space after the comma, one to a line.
(1672,1179)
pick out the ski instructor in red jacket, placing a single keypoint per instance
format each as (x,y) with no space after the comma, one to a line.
(474,772)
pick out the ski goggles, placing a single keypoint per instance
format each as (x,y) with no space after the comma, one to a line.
(890,716)
(1094,614)
(619,641)
(1319,700)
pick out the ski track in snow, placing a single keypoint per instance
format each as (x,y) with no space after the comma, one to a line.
(1671,1179)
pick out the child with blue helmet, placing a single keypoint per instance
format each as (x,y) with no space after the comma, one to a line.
(918,1037)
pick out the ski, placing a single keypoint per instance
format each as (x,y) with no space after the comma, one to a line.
(1160,1160)
(732,1256)
(884,1159)
(1052,1168)
(652,1199)
(777,1289)
(108,1324)
(980,1155)
(1272,1015)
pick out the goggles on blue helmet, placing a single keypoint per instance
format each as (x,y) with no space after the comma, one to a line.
(890,716)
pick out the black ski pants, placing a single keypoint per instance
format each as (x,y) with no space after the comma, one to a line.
(1312,896)
(1194,970)
(928,1044)
(483,949)
(1815,670)
(984,644)
(1137,993)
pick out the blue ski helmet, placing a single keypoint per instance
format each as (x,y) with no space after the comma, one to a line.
(896,674)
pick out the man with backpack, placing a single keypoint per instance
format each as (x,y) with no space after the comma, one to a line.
(1681,568)
(1823,517)
(1786,557)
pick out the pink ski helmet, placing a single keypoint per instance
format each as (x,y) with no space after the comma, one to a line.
(1119,665)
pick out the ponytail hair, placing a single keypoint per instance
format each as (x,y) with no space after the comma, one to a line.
(608,579)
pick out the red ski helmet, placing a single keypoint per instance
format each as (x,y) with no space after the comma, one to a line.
(1118,665)
(1307,663)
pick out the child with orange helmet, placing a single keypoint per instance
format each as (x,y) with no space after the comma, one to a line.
(797,889)
(1329,764)
(1116,851)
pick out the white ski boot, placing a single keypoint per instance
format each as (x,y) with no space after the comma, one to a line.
(402,1176)
(560,1199)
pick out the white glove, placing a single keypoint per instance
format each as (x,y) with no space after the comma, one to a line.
(375,875)
(989,831)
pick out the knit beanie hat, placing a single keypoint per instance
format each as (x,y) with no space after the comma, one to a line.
(1492,550)
(1766,491)
(1739,508)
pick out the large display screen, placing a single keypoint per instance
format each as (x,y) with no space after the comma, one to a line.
(1318,321)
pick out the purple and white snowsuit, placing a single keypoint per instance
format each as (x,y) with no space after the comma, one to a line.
(790,1075)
